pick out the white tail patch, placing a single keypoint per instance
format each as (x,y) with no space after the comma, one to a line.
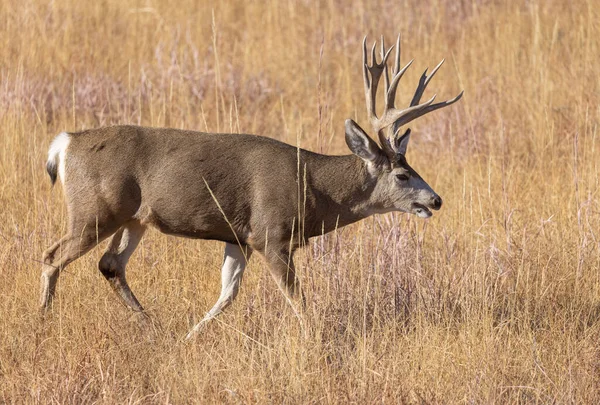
(57,154)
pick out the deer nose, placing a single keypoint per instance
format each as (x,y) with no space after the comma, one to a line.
(437,202)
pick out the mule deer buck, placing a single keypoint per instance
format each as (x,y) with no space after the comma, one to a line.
(244,190)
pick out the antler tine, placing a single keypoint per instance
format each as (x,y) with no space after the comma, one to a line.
(384,57)
(373,56)
(366,80)
(397,60)
(423,82)
(397,74)
(391,94)
(370,83)
(386,78)
(417,111)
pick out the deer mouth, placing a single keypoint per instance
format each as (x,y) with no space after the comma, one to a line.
(421,211)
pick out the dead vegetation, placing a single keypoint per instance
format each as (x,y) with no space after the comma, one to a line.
(496,299)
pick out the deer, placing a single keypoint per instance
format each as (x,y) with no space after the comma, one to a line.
(244,190)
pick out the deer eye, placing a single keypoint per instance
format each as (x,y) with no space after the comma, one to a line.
(402,177)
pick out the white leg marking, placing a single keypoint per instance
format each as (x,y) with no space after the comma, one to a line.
(234,264)
(132,235)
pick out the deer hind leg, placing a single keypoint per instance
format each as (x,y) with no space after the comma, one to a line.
(64,252)
(113,262)
(234,264)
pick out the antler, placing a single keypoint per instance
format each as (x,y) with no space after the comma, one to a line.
(393,117)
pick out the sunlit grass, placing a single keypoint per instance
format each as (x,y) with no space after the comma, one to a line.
(493,300)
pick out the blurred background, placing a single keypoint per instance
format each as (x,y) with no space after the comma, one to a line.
(493,300)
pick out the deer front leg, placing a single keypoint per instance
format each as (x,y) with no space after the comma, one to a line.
(234,264)
(281,265)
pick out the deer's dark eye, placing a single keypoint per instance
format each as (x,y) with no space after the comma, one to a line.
(402,177)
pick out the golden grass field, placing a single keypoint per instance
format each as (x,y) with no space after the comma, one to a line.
(496,299)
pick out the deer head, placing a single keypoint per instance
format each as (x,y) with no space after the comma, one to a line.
(397,186)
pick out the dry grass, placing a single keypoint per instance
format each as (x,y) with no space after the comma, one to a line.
(494,300)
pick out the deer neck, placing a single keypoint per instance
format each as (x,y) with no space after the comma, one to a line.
(342,189)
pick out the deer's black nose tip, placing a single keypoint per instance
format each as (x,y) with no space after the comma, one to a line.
(437,202)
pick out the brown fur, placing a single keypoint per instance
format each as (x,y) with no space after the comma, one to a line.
(257,192)
(237,188)
(160,176)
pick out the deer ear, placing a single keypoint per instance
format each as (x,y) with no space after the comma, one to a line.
(360,143)
(402,142)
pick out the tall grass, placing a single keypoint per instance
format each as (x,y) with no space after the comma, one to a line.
(496,299)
